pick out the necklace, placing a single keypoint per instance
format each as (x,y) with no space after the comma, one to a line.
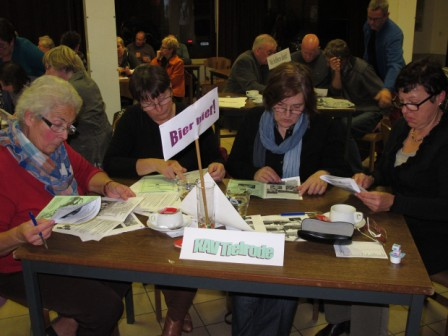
(415,139)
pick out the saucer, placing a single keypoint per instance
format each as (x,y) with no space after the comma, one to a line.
(186,222)
(357,225)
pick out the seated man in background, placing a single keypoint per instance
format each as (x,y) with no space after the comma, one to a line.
(142,51)
(354,79)
(250,70)
(312,56)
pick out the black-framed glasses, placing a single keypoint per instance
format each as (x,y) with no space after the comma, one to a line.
(296,109)
(411,106)
(151,105)
(59,128)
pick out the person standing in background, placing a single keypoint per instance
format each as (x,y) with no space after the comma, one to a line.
(72,39)
(383,48)
(20,50)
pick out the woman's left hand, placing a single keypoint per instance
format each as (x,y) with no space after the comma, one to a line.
(314,185)
(377,201)
(217,171)
(117,190)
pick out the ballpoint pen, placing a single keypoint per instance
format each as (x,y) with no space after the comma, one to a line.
(33,219)
(297,213)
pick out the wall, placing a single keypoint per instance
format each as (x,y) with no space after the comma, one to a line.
(102,51)
(402,12)
(434,35)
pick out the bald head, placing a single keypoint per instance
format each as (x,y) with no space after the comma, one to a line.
(310,47)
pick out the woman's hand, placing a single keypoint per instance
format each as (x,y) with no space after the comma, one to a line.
(28,233)
(117,190)
(376,201)
(267,175)
(314,185)
(363,180)
(217,171)
(170,169)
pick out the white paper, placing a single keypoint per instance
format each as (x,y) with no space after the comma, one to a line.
(233,247)
(180,131)
(153,202)
(232,102)
(154,183)
(278,58)
(287,189)
(345,183)
(225,213)
(117,209)
(287,225)
(361,250)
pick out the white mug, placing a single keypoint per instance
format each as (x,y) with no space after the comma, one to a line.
(258,99)
(252,93)
(345,213)
(168,218)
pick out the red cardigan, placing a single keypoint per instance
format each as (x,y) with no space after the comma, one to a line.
(21,193)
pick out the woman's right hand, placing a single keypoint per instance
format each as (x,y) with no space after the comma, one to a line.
(267,175)
(170,169)
(28,233)
(363,180)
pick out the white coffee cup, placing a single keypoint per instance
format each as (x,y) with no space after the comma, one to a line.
(168,218)
(252,93)
(345,213)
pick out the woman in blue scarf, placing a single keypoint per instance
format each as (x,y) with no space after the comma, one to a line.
(289,138)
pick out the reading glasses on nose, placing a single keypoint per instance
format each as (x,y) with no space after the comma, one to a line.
(411,106)
(160,102)
(59,128)
(293,109)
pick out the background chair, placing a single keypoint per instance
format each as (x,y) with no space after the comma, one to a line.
(442,279)
(221,63)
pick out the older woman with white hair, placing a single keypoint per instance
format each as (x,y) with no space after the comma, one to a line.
(37,164)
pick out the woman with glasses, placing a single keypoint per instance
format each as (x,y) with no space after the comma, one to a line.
(37,164)
(93,128)
(413,166)
(168,59)
(289,138)
(136,146)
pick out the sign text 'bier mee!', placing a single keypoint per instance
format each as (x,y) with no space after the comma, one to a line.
(178,134)
(227,249)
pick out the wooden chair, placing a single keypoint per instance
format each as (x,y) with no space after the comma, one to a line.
(442,279)
(189,88)
(215,63)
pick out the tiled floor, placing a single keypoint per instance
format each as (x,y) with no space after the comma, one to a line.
(208,317)
(209,310)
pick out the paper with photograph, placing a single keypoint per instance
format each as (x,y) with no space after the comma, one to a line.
(287,189)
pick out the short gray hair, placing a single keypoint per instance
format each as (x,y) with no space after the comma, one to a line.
(263,39)
(46,93)
(379,4)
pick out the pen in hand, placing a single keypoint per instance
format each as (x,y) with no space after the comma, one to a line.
(33,219)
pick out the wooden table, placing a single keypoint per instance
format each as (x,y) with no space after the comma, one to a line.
(310,269)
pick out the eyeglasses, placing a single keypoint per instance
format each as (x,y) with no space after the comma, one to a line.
(295,109)
(375,19)
(410,106)
(59,128)
(373,231)
(160,102)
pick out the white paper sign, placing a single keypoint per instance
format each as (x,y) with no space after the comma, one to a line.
(239,247)
(184,128)
(279,58)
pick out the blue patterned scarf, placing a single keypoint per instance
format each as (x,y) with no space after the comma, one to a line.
(291,147)
(55,171)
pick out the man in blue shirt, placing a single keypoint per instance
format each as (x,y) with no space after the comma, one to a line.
(383,42)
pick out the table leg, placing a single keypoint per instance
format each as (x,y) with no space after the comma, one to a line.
(33,298)
(414,315)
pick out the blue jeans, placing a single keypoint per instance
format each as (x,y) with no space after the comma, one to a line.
(257,315)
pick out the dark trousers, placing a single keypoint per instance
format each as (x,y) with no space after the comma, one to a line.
(255,315)
(95,305)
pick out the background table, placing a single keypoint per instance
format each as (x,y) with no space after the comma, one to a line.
(310,269)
